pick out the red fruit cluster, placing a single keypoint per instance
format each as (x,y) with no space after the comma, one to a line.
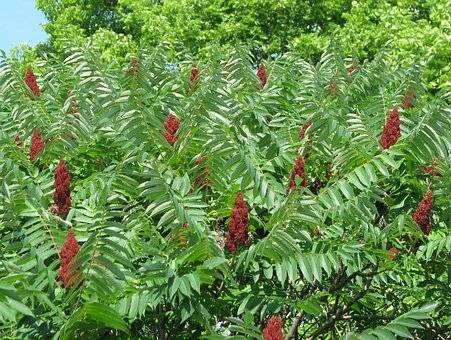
(333,88)
(329,171)
(68,252)
(317,231)
(194,76)
(73,103)
(18,141)
(261,74)
(431,168)
(171,126)
(274,329)
(37,145)
(134,67)
(181,234)
(239,222)
(393,253)
(61,195)
(298,170)
(317,185)
(304,129)
(407,101)
(30,80)
(421,215)
(353,67)
(392,131)
(203,177)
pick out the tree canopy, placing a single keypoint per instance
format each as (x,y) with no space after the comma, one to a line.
(409,30)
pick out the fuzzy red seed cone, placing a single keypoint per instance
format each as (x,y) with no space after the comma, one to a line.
(333,88)
(304,129)
(329,171)
(261,74)
(392,131)
(393,253)
(73,109)
(133,69)
(238,234)
(37,145)
(202,179)
(298,170)
(171,126)
(431,168)
(194,76)
(273,329)
(181,235)
(61,195)
(317,231)
(407,101)
(18,141)
(69,250)
(421,215)
(30,80)
(352,68)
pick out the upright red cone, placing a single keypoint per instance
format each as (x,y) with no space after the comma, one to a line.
(261,74)
(69,250)
(238,234)
(304,129)
(18,141)
(392,131)
(194,76)
(37,144)
(393,253)
(30,80)
(202,179)
(171,126)
(353,67)
(421,215)
(134,67)
(274,329)
(407,101)
(298,170)
(431,168)
(73,103)
(61,195)
(333,88)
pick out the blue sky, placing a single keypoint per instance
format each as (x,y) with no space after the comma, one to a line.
(20,22)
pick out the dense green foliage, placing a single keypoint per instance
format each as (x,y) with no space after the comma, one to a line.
(410,30)
(152,262)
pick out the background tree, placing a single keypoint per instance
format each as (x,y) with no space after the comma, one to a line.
(409,30)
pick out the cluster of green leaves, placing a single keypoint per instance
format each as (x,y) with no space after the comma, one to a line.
(320,254)
(410,30)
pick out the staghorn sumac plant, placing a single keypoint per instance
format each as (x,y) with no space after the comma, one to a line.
(130,238)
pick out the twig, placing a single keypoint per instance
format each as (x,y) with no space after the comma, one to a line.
(341,311)
(297,320)
(294,326)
